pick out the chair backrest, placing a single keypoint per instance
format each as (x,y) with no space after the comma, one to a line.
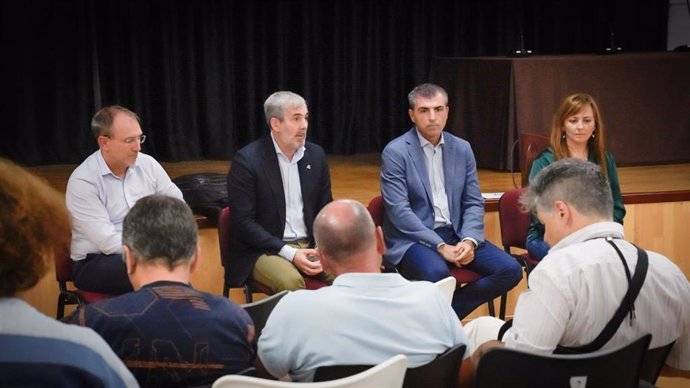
(610,368)
(63,267)
(531,145)
(70,295)
(250,371)
(261,309)
(376,210)
(512,220)
(447,286)
(63,274)
(441,372)
(224,233)
(654,360)
(388,374)
(224,245)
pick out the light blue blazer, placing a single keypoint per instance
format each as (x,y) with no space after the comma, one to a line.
(409,210)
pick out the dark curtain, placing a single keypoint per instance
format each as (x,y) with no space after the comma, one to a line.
(197,72)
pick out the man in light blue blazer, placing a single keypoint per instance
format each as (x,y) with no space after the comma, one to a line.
(434,210)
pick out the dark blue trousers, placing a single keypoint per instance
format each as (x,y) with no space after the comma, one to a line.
(102,273)
(500,272)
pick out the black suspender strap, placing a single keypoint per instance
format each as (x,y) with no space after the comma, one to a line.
(628,295)
(626,307)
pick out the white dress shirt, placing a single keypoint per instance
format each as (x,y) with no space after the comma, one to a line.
(577,287)
(433,155)
(434,166)
(295,228)
(98,201)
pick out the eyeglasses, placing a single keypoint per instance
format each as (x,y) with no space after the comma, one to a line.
(141,139)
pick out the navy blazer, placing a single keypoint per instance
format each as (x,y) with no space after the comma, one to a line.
(257,202)
(407,194)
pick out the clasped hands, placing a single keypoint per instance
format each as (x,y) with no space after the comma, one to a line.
(459,254)
(308,261)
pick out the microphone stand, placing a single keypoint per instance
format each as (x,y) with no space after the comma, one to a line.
(521,52)
(612,49)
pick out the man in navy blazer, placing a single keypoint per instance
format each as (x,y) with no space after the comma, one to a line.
(276,186)
(434,210)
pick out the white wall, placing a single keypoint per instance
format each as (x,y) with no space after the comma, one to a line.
(678,24)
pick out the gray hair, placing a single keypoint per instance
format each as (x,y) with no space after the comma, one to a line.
(343,228)
(277,102)
(577,182)
(427,91)
(161,228)
(102,121)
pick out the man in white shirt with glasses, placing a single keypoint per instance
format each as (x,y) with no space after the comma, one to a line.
(100,193)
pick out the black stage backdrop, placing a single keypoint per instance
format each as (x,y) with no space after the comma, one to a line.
(197,71)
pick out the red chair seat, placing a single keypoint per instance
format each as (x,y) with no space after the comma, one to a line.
(526,260)
(314,284)
(71,295)
(90,297)
(464,275)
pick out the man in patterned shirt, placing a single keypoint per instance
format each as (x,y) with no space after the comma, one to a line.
(167,333)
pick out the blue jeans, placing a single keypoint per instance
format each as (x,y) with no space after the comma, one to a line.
(537,248)
(500,272)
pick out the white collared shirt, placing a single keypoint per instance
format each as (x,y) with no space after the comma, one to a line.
(577,287)
(295,228)
(98,200)
(434,165)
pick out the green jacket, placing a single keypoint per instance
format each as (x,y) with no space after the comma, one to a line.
(536,228)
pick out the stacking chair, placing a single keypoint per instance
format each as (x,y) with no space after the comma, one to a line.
(461,275)
(606,368)
(261,309)
(441,372)
(654,360)
(514,224)
(250,286)
(376,210)
(388,374)
(447,287)
(70,295)
(531,145)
